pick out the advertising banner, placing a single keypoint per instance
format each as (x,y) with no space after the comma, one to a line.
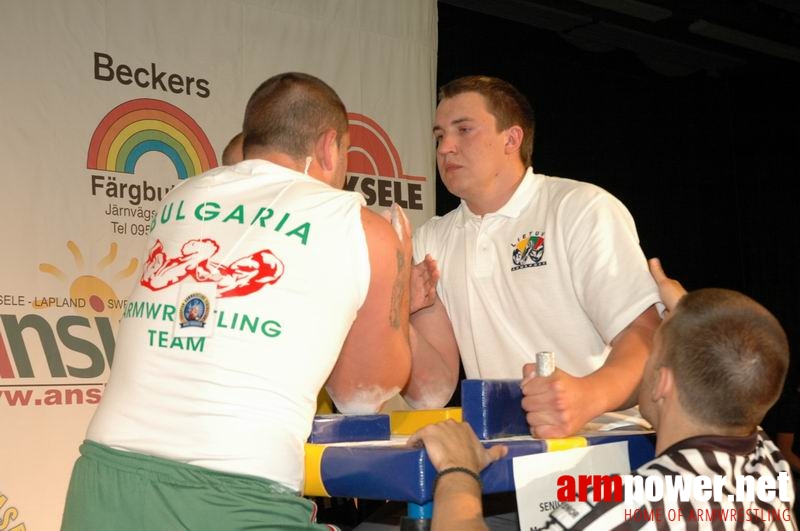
(104,107)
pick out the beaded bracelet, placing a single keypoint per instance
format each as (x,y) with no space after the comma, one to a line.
(463,470)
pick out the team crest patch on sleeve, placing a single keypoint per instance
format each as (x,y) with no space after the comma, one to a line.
(528,251)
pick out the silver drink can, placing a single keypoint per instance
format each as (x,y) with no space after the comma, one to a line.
(545,363)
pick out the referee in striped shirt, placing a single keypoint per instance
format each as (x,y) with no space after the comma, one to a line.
(718,364)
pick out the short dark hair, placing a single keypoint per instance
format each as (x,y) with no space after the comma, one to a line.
(729,355)
(507,104)
(289,111)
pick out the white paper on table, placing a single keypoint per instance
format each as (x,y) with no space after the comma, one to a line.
(614,420)
(536,476)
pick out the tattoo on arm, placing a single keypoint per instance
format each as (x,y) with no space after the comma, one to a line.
(398,292)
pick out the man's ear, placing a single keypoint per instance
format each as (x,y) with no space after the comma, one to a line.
(665,383)
(326,150)
(514,136)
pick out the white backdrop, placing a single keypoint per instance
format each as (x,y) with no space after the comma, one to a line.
(104,106)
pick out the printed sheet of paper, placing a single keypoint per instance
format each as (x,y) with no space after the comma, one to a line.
(536,476)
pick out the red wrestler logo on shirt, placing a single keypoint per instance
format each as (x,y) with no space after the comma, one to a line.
(243,276)
(528,251)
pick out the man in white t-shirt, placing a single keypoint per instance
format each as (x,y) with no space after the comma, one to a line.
(264,281)
(528,263)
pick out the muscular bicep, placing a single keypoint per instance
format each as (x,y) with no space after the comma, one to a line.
(375,360)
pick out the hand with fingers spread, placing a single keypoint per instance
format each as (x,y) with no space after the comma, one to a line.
(454,444)
(458,457)
(424,276)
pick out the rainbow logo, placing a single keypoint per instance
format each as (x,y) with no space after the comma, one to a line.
(143,125)
(371,150)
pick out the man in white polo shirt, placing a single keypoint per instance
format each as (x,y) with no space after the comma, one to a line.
(528,263)
(719,363)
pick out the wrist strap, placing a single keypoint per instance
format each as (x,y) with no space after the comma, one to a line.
(463,470)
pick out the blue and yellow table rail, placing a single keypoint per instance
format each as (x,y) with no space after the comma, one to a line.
(389,470)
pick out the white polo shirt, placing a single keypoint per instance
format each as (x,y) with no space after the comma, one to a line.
(557,268)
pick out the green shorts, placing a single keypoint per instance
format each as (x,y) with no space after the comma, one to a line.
(115,490)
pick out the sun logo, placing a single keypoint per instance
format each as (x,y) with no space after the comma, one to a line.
(90,294)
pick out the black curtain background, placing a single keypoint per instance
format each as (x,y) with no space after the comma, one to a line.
(707,164)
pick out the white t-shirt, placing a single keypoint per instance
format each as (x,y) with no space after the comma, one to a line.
(286,257)
(557,268)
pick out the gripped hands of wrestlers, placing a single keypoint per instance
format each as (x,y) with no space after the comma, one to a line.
(424,277)
(553,405)
(425,274)
(402,227)
(670,290)
(399,222)
(454,444)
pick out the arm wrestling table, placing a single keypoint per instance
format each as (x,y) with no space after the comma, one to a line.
(389,470)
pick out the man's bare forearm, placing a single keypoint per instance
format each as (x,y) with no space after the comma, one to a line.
(433,377)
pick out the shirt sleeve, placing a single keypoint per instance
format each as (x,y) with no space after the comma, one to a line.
(609,269)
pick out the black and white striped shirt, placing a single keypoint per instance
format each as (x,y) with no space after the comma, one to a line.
(755,455)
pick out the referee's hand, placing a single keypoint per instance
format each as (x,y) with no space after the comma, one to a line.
(454,444)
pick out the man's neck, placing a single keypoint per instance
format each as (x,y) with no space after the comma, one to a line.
(281,159)
(677,428)
(308,166)
(498,193)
